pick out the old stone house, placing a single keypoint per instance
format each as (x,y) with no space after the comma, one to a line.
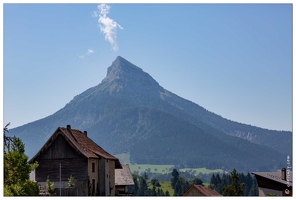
(70,152)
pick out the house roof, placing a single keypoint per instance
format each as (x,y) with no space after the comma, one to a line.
(123,176)
(79,141)
(203,190)
(276,176)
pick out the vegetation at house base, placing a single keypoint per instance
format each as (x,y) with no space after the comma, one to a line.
(49,187)
(17,169)
(71,181)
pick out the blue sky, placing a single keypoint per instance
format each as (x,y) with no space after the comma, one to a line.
(232,59)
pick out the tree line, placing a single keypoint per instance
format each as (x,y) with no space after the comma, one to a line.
(233,184)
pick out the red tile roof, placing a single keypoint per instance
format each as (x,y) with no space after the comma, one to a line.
(203,190)
(79,141)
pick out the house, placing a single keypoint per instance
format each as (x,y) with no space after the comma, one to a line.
(70,152)
(124,183)
(275,183)
(199,190)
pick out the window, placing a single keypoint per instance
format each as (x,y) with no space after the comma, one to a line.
(93,167)
(93,184)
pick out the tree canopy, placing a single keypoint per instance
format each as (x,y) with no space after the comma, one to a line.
(17,169)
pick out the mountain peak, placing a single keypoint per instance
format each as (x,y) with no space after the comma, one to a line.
(122,74)
(121,65)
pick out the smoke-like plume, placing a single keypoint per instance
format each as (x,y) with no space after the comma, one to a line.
(107,26)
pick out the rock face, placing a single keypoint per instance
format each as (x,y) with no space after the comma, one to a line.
(126,77)
(130,112)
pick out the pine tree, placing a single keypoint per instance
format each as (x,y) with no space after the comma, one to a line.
(175,178)
(235,189)
(254,188)
(213,182)
(167,193)
(197,181)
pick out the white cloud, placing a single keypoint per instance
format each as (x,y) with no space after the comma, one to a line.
(89,51)
(107,26)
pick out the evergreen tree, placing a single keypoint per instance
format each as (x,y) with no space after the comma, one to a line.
(213,182)
(181,186)
(155,182)
(218,179)
(197,181)
(135,179)
(175,178)
(254,189)
(219,184)
(235,189)
(145,176)
(167,193)
(142,186)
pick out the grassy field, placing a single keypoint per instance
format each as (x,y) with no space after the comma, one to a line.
(162,169)
(196,171)
(165,186)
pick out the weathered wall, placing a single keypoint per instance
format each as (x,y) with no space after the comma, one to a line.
(102,177)
(93,175)
(60,152)
(112,176)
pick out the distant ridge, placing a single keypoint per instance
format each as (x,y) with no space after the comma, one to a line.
(130,112)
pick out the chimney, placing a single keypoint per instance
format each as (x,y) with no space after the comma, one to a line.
(70,131)
(284,174)
(85,133)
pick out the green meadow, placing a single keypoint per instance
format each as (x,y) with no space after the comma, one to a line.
(165,186)
(161,169)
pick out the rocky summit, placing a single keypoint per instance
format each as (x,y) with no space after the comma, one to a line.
(130,112)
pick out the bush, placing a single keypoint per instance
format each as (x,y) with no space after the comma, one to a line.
(50,187)
(13,190)
(31,188)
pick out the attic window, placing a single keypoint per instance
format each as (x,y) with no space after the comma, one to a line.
(93,167)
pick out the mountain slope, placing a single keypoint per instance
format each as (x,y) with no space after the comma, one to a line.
(130,111)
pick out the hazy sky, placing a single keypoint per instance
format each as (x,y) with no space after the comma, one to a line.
(232,59)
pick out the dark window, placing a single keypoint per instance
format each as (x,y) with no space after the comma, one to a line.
(93,184)
(93,167)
